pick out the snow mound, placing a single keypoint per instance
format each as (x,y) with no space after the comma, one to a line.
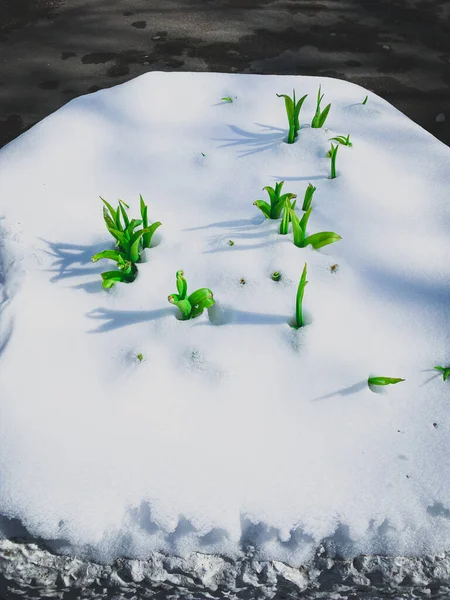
(235,430)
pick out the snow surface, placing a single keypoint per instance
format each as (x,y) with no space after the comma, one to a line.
(235,429)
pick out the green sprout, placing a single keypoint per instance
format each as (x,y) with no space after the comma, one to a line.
(227,99)
(299,322)
(317,240)
(341,139)
(278,204)
(203,154)
(445,372)
(276,276)
(129,243)
(293,111)
(230,243)
(321,116)
(126,271)
(332,154)
(308,197)
(190,306)
(365,100)
(383,380)
(140,357)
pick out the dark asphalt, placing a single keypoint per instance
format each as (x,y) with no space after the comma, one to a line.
(54,50)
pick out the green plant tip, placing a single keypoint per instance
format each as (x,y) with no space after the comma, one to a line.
(365,100)
(384,380)
(299,322)
(242,281)
(190,306)
(445,372)
(293,112)
(320,116)
(203,154)
(276,276)
(230,243)
(140,357)
(227,99)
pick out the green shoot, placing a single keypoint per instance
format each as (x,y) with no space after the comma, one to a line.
(203,154)
(276,276)
(445,372)
(383,380)
(190,306)
(299,322)
(129,242)
(230,243)
(293,111)
(332,154)
(308,197)
(321,116)
(277,202)
(365,100)
(317,240)
(126,273)
(149,230)
(227,99)
(140,357)
(341,139)
(288,206)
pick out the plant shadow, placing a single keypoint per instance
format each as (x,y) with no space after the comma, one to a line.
(115,319)
(352,389)
(256,142)
(219,315)
(72,260)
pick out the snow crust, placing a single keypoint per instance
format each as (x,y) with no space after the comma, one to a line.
(235,429)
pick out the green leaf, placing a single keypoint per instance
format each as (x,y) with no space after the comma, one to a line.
(324,238)
(125,218)
(308,196)
(144,211)
(148,235)
(289,104)
(365,100)
(324,115)
(181,285)
(185,308)
(383,380)
(227,99)
(110,254)
(298,107)
(110,208)
(445,372)
(109,278)
(197,310)
(284,225)
(305,219)
(299,299)
(121,239)
(264,207)
(134,254)
(297,231)
(199,296)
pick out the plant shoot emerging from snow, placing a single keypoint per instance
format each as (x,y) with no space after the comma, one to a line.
(384,380)
(227,99)
(320,116)
(299,322)
(190,306)
(276,276)
(308,197)
(317,240)
(332,153)
(279,204)
(129,242)
(365,100)
(293,112)
(445,372)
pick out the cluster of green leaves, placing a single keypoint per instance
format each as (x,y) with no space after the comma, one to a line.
(341,139)
(130,241)
(279,205)
(320,116)
(190,306)
(332,153)
(316,240)
(293,113)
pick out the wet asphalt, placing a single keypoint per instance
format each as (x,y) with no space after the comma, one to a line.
(54,50)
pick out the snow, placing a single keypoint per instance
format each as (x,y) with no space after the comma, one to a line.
(235,429)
